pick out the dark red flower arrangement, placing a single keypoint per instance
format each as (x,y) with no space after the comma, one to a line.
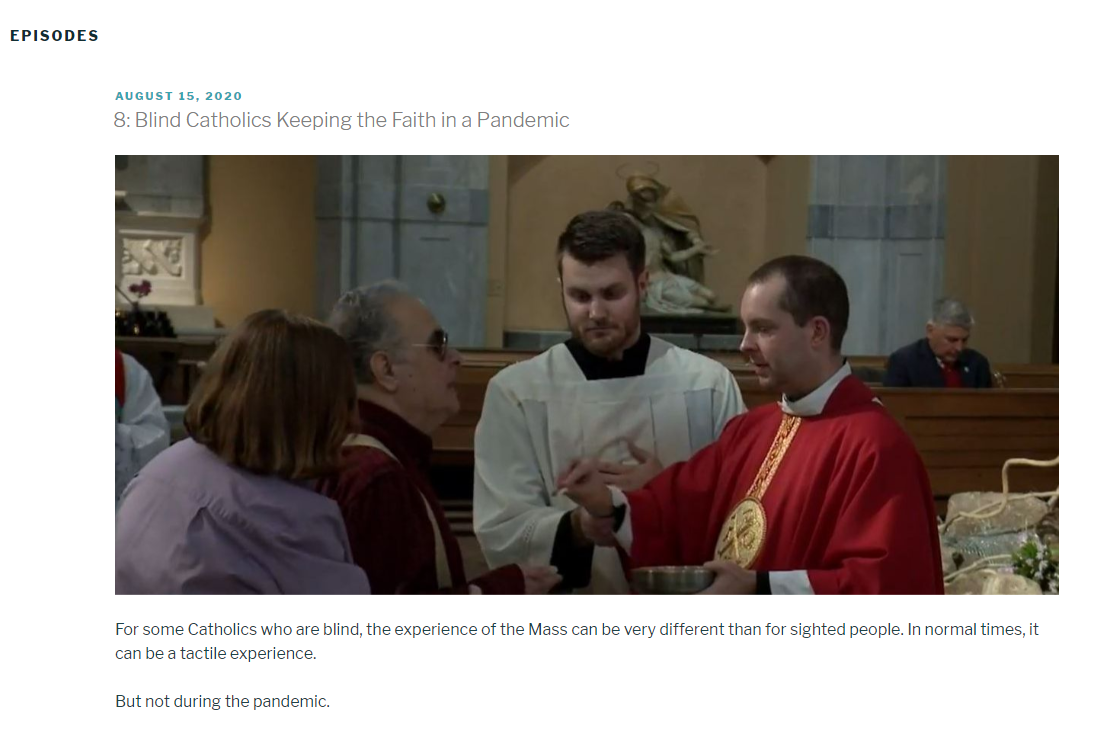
(141,290)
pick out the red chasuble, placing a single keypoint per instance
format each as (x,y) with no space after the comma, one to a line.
(850,502)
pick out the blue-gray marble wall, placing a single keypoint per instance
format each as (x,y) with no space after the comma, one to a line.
(170,185)
(880,221)
(374,223)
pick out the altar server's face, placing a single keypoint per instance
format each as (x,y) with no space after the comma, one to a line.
(602,303)
(781,352)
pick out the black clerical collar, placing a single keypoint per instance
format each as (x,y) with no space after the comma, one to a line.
(593,367)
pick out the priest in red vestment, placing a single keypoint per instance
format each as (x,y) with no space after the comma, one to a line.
(820,493)
(406,388)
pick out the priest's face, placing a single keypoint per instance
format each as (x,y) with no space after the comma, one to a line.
(783,354)
(602,301)
(425,367)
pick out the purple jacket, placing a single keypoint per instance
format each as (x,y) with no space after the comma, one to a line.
(192,524)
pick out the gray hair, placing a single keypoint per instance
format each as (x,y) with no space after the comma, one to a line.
(951,312)
(362,317)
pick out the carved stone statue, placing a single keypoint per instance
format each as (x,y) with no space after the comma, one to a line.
(675,248)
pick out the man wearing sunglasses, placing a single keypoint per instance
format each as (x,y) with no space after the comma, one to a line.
(636,402)
(405,374)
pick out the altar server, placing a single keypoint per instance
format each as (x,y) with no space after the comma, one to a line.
(634,401)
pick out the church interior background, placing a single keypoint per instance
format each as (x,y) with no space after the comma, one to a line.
(219,237)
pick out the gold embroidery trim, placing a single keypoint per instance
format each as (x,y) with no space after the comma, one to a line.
(743,534)
(787,431)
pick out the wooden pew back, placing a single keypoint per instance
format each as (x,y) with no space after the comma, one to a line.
(964,436)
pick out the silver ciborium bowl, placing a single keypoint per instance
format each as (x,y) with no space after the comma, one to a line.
(671,579)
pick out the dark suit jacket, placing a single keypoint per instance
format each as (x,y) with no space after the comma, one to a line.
(916,366)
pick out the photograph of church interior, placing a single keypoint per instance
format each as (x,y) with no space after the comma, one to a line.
(587,374)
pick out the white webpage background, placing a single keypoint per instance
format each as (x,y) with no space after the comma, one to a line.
(654,78)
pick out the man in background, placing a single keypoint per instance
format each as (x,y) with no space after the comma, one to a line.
(942,358)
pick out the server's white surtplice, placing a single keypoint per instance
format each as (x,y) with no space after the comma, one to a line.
(541,414)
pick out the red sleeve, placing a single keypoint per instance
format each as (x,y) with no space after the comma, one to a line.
(669,515)
(885,540)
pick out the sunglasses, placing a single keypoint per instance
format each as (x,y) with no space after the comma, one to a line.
(437,343)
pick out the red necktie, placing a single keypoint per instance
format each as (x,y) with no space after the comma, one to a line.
(952,375)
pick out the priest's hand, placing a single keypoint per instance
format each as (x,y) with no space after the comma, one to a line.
(731,578)
(540,579)
(630,477)
(582,483)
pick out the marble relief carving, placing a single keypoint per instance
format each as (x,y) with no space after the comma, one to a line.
(158,257)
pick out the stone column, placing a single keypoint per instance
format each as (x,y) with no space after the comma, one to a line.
(375,222)
(880,221)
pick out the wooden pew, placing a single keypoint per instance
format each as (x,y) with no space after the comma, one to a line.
(174,364)
(964,436)
(1014,376)
(1019,376)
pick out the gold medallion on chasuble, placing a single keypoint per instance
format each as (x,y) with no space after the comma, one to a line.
(743,534)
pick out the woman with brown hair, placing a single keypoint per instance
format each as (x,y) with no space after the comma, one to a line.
(232,509)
